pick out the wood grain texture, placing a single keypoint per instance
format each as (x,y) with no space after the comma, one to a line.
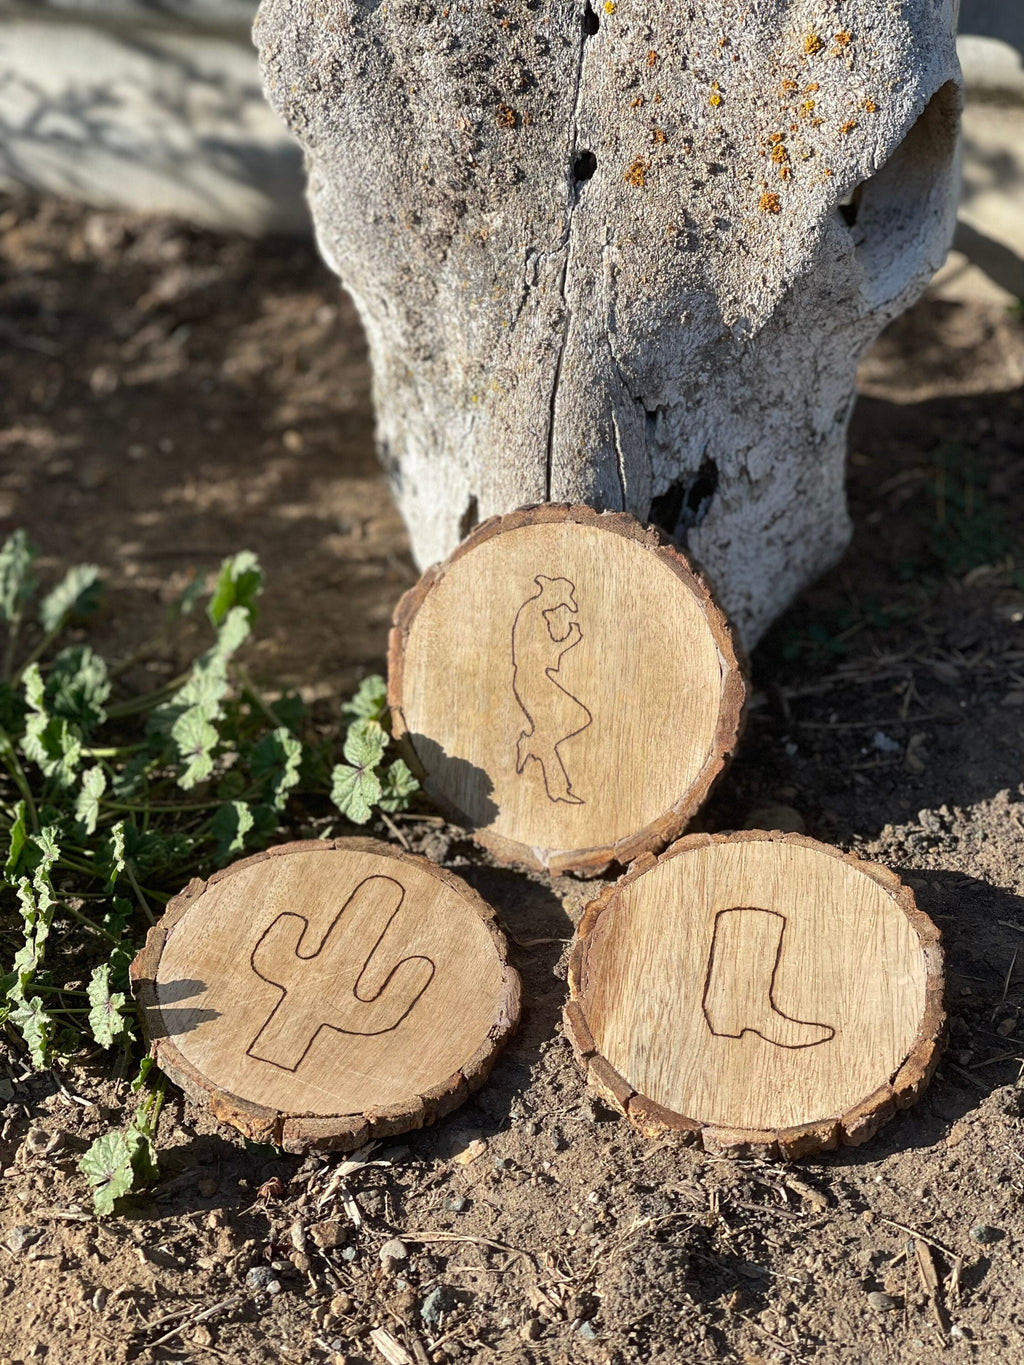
(566,686)
(323,993)
(763,992)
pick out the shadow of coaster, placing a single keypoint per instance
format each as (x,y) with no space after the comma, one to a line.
(322,994)
(757,992)
(566,688)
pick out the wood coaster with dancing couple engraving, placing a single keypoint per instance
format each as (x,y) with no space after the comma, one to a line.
(321,994)
(566,687)
(757,992)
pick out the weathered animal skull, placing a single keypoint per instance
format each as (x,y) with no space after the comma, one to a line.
(626,252)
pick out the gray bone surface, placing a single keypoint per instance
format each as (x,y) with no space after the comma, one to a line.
(675,333)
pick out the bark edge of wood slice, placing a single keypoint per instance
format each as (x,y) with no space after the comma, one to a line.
(754,1053)
(487,683)
(419,950)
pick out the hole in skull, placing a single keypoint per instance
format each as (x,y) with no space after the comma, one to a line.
(896,216)
(591,23)
(685,503)
(849,205)
(470,517)
(584,166)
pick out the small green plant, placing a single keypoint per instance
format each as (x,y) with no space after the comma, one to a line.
(365,780)
(110,804)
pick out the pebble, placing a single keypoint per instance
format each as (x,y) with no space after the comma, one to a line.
(882,1303)
(207,1188)
(341,1304)
(502,1163)
(457,1204)
(432,1307)
(985,1234)
(329,1234)
(393,1253)
(349,1254)
(99,1300)
(261,1277)
(20,1238)
(587,1330)
(531,1329)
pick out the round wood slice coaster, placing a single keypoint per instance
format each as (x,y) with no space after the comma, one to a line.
(566,687)
(757,992)
(321,994)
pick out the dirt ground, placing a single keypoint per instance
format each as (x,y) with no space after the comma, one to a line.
(169,396)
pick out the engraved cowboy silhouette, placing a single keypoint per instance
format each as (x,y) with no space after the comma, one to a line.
(545,629)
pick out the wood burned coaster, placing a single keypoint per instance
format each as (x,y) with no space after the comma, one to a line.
(321,994)
(757,992)
(567,687)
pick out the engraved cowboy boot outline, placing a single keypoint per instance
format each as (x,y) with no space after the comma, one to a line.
(746,950)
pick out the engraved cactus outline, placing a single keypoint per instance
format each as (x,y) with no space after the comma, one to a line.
(393,1007)
(525,750)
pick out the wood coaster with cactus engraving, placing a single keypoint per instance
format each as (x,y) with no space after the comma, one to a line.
(566,687)
(757,992)
(321,994)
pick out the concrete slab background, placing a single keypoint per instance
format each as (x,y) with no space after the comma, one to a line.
(156,105)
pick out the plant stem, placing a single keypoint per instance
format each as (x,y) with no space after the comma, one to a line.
(88,923)
(149,699)
(138,894)
(17,772)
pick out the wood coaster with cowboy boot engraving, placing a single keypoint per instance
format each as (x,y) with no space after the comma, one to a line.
(757,992)
(566,688)
(322,994)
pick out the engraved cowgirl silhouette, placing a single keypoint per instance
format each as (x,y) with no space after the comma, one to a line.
(543,632)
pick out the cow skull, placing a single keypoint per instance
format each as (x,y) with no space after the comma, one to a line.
(624,252)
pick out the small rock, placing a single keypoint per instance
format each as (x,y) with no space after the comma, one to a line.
(773,815)
(471,1152)
(329,1234)
(986,1234)
(531,1329)
(207,1188)
(99,1300)
(340,1305)
(349,1254)
(882,1303)
(20,1238)
(201,1335)
(457,1204)
(502,1163)
(260,1278)
(1013,699)
(297,1235)
(432,1307)
(393,1253)
(274,1287)
(301,1262)
(587,1330)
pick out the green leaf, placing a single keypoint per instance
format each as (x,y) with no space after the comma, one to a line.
(186,603)
(115,853)
(229,827)
(77,594)
(108,1167)
(397,787)
(365,744)
(87,806)
(37,1029)
(54,745)
(354,791)
(233,633)
(370,701)
(77,685)
(239,583)
(107,1023)
(276,760)
(15,842)
(17,581)
(196,739)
